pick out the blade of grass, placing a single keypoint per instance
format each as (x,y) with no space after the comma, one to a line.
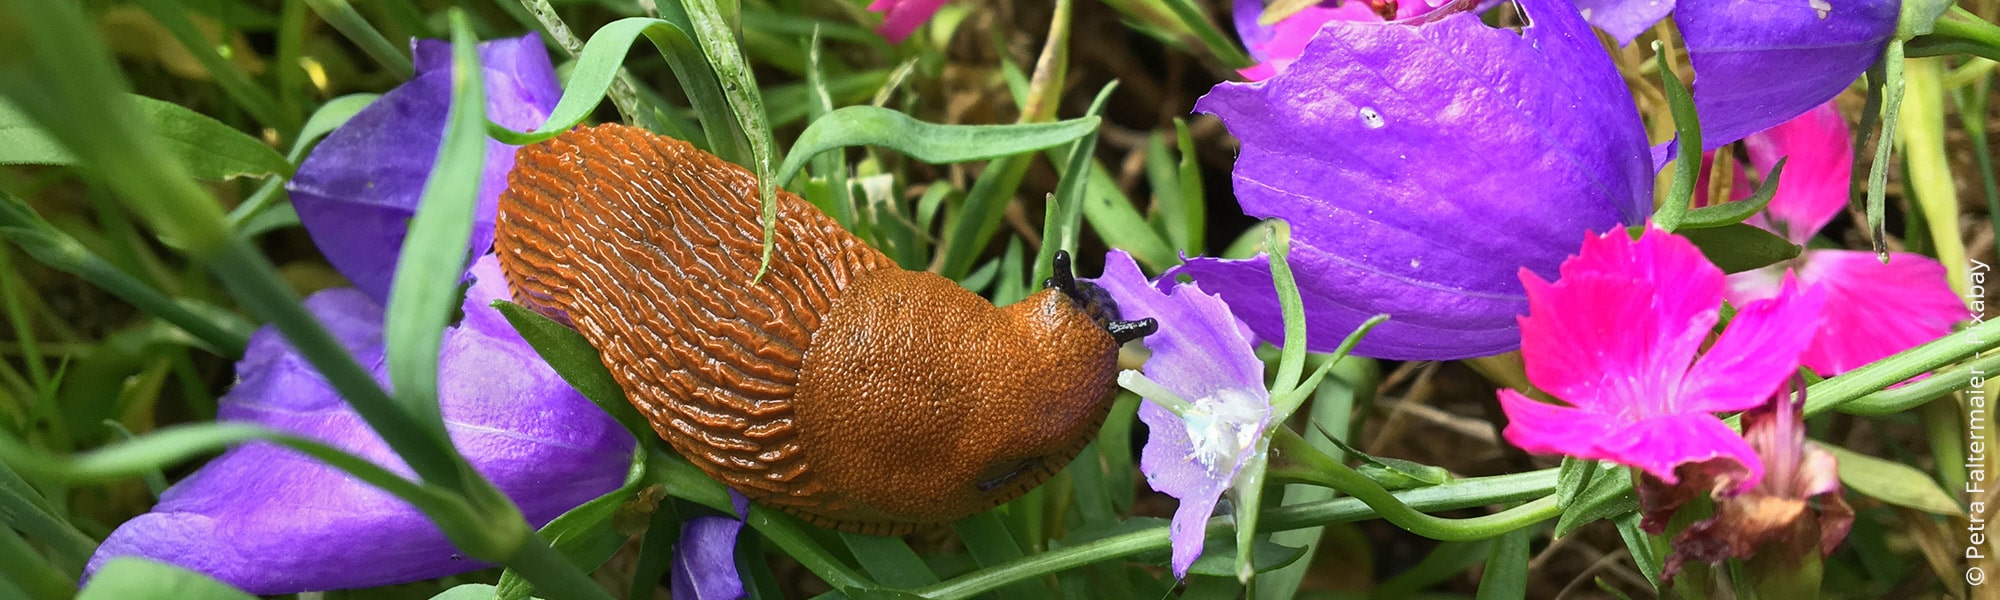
(344,19)
(424,293)
(254,99)
(1063,223)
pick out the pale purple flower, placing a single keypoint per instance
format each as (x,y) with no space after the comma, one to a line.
(1421,165)
(1200,355)
(1617,336)
(1758,63)
(272,521)
(356,191)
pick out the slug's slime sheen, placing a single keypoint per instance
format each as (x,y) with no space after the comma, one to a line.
(841,387)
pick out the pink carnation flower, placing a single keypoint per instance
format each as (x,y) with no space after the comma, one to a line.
(1617,338)
(901,17)
(1863,322)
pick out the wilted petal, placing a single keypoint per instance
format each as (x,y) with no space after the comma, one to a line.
(705,560)
(1759,63)
(1819,158)
(1543,142)
(356,191)
(1200,354)
(1862,324)
(900,17)
(272,521)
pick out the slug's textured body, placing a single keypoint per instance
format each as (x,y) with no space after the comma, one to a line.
(839,387)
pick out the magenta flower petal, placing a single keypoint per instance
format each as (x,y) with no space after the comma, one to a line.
(1819,159)
(357,190)
(1759,63)
(1761,349)
(1275,46)
(901,17)
(1543,142)
(1616,338)
(272,521)
(705,560)
(1862,324)
(1200,354)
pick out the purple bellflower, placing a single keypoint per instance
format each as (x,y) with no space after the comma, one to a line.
(1202,356)
(705,560)
(272,521)
(358,189)
(1759,63)
(1543,145)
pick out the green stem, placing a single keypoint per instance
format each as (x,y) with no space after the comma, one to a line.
(1464,493)
(1875,377)
(553,574)
(1318,468)
(1958,32)
(1896,400)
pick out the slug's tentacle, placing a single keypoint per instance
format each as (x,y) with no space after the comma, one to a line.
(1125,331)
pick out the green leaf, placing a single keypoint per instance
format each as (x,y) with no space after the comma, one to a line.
(23,508)
(1731,213)
(889,560)
(208,148)
(1061,227)
(1193,208)
(598,65)
(716,34)
(131,578)
(1647,551)
(1892,482)
(987,539)
(1687,165)
(585,535)
(1738,248)
(1591,490)
(928,142)
(1878,171)
(1506,574)
(468,591)
(1393,473)
(577,362)
(424,294)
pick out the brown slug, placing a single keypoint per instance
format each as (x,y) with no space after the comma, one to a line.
(840,387)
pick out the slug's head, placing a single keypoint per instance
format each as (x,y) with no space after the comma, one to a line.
(1064,345)
(922,403)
